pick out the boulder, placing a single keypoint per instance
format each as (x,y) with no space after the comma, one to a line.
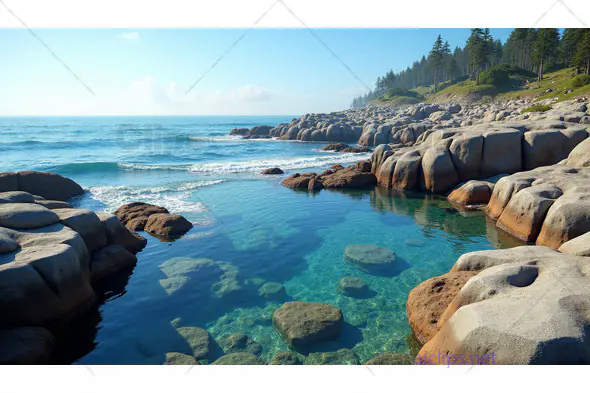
(438,170)
(25,346)
(167,225)
(177,358)
(285,359)
(503,191)
(579,246)
(239,342)
(353,286)
(580,155)
(8,182)
(427,302)
(524,214)
(440,116)
(392,359)
(302,324)
(134,215)
(25,216)
(272,171)
(298,181)
(466,153)
(110,260)
(340,357)
(199,340)
(370,258)
(545,147)
(523,312)
(239,131)
(48,185)
(7,245)
(239,359)
(502,152)
(116,233)
(53,204)
(273,291)
(350,177)
(87,224)
(407,171)
(16,197)
(472,194)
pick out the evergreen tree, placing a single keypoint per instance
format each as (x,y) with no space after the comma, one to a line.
(544,47)
(477,51)
(437,56)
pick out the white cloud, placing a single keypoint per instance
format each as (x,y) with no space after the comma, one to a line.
(253,93)
(132,36)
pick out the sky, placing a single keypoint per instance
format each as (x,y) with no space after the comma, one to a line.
(233,71)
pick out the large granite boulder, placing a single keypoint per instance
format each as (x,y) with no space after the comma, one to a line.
(87,224)
(427,302)
(110,260)
(16,197)
(580,156)
(8,182)
(117,233)
(25,216)
(134,215)
(298,181)
(521,312)
(472,194)
(370,258)
(302,324)
(579,246)
(48,185)
(25,346)
(438,170)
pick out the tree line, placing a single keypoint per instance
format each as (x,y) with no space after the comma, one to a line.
(534,50)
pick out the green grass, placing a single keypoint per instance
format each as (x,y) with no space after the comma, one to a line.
(537,108)
(423,90)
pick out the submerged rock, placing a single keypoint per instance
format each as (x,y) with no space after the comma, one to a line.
(353,286)
(199,340)
(340,357)
(239,358)
(302,324)
(177,358)
(285,359)
(239,342)
(370,258)
(273,291)
(389,358)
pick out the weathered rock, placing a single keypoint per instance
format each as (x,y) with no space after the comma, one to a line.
(239,358)
(25,346)
(116,233)
(429,300)
(199,340)
(25,216)
(272,171)
(16,197)
(177,358)
(239,342)
(579,246)
(110,260)
(7,244)
(340,357)
(350,177)
(298,181)
(472,193)
(53,204)
(438,170)
(302,324)
(136,213)
(273,291)
(502,152)
(239,131)
(285,359)
(167,225)
(391,359)
(370,258)
(344,148)
(353,286)
(466,153)
(48,185)
(524,312)
(86,223)
(8,182)
(580,155)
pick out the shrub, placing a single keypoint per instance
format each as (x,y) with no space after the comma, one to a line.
(499,75)
(579,81)
(537,108)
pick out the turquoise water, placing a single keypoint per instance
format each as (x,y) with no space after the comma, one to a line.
(256,229)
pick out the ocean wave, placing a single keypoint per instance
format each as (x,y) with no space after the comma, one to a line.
(174,197)
(216,139)
(83,167)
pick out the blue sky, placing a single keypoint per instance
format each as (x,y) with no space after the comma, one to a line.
(147,71)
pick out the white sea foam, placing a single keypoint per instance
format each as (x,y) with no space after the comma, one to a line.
(175,198)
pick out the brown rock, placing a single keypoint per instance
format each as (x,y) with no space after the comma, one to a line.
(272,171)
(427,302)
(474,192)
(298,181)
(138,212)
(167,225)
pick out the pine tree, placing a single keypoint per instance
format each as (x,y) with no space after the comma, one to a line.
(477,49)
(544,47)
(582,56)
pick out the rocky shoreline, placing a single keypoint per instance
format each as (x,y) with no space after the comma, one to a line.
(528,171)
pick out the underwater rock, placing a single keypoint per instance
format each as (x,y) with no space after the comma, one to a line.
(199,340)
(353,286)
(25,346)
(427,302)
(230,284)
(273,291)
(239,342)
(302,324)
(239,358)
(340,357)
(285,359)
(369,257)
(167,225)
(389,358)
(177,358)
(272,171)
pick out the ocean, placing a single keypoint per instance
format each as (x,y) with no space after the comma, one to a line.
(243,220)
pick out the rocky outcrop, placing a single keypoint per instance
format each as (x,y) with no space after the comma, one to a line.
(44,184)
(156,220)
(337,177)
(472,195)
(50,257)
(134,215)
(167,225)
(344,148)
(527,306)
(272,171)
(301,323)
